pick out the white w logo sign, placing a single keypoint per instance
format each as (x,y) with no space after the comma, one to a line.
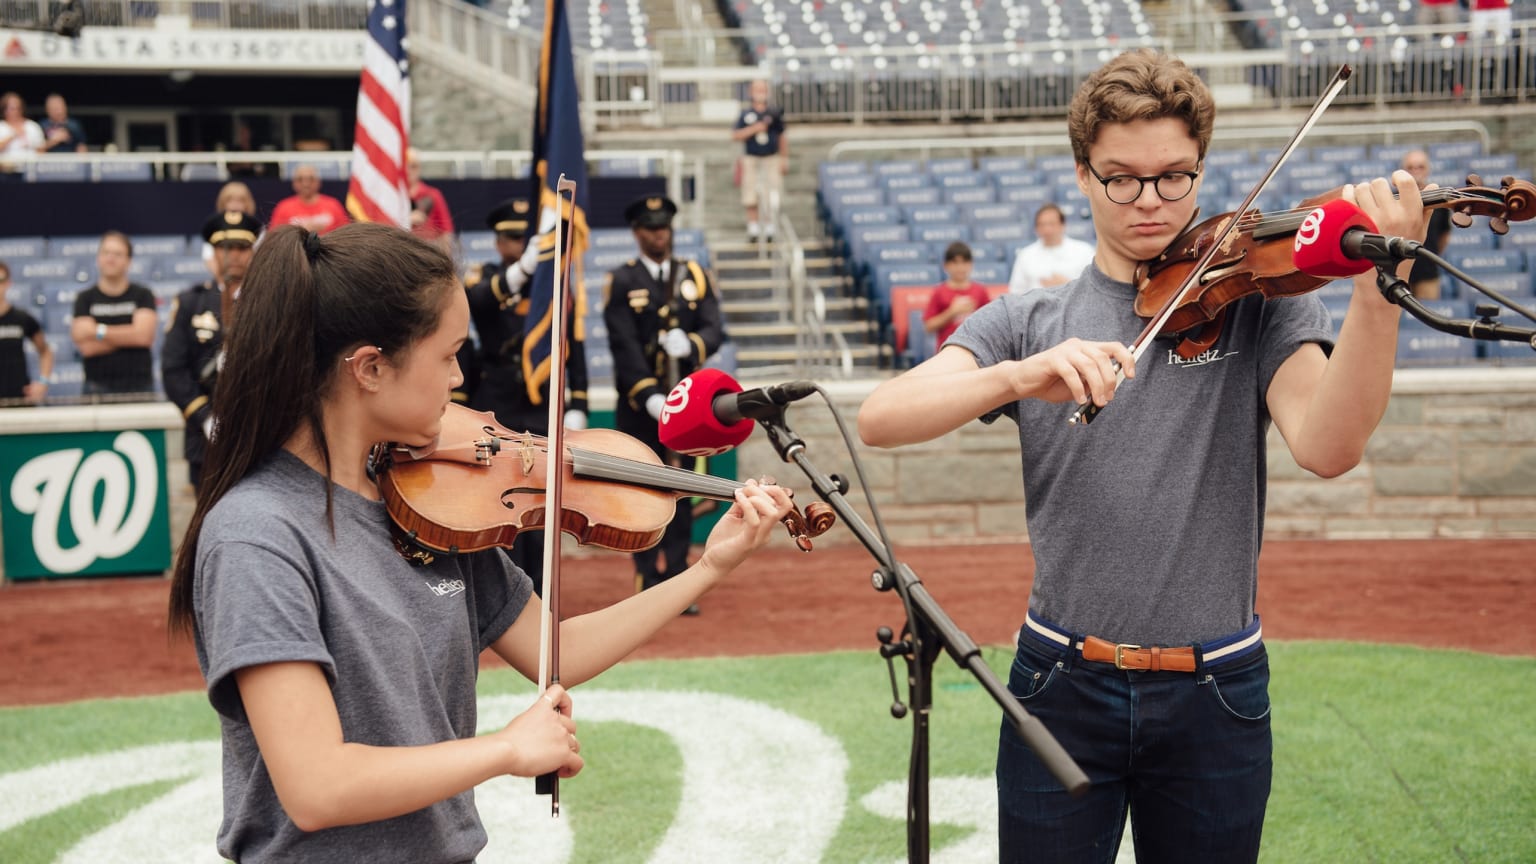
(44,485)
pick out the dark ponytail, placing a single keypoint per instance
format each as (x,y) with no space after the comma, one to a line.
(305,302)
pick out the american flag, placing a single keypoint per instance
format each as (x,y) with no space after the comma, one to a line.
(376,191)
(557,150)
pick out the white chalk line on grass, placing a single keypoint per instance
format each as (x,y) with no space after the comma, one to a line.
(758,785)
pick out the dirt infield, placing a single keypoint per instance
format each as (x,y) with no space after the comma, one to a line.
(80,639)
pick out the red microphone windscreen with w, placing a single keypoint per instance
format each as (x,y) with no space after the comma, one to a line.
(688,422)
(1318,250)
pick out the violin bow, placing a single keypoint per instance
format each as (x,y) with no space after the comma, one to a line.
(1087,411)
(554,473)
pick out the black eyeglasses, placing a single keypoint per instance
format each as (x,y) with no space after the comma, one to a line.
(1126,188)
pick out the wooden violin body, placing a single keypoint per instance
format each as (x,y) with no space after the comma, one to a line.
(483,484)
(1257,257)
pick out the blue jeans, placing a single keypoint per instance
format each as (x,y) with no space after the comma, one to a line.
(1189,753)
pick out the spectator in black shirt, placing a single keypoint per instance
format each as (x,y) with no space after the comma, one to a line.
(16,329)
(61,132)
(114,325)
(1424,280)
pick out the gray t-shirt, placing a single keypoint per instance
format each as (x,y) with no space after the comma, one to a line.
(399,645)
(1146,523)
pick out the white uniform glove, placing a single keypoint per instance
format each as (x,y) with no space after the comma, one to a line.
(575,419)
(530,260)
(654,405)
(675,342)
(519,274)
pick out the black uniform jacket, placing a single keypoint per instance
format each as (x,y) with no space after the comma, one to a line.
(638,309)
(189,360)
(493,368)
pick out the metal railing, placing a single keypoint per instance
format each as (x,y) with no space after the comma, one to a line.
(1394,64)
(1412,131)
(673,165)
(199,14)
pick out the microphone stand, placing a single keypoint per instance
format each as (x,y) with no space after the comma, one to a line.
(927,630)
(1483,327)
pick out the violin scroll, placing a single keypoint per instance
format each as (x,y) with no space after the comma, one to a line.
(1514,200)
(816,521)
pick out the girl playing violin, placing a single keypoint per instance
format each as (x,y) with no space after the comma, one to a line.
(343,676)
(1141,650)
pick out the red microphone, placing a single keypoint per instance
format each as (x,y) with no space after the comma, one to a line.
(1319,248)
(689,423)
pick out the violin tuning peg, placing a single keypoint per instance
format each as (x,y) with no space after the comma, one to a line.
(1474,180)
(1461,218)
(1499,225)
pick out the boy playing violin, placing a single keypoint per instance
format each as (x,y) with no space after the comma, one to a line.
(1146,525)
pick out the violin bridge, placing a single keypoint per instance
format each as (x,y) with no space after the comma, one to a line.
(528,456)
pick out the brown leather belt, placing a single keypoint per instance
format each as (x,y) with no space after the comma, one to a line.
(1135,657)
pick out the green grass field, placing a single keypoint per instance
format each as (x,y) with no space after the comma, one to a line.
(1383,754)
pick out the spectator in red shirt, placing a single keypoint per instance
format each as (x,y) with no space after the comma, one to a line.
(308,207)
(955,298)
(430,219)
(1491,18)
(1438,13)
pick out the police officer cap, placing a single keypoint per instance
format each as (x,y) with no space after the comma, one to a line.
(510,217)
(231,226)
(655,211)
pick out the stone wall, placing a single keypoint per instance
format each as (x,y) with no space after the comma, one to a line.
(1455,456)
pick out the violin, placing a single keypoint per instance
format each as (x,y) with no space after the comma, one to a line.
(1256,256)
(482,484)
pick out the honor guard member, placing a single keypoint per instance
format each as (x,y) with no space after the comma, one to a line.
(194,336)
(493,367)
(663,321)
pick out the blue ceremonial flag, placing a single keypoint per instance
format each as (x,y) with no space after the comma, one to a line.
(557,150)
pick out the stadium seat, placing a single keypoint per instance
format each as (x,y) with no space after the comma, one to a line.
(992,272)
(929,212)
(477,246)
(724,359)
(203,171)
(893,183)
(1027,199)
(59,306)
(1006,164)
(898,166)
(68,374)
(988,213)
(163,244)
(47,171)
(827,171)
(935,232)
(184,269)
(73,247)
(951,165)
(920,344)
(1342,155)
(1492,168)
(1468,241)
(969,196)
(1420,345)
(125,171)
(55,269)
(12,248)
(603,260)
(1493,262)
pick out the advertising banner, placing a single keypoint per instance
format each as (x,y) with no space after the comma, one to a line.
(84,503)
